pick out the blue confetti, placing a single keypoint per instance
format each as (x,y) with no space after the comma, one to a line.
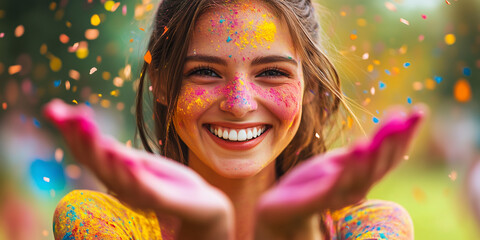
(348,218)
(88,104)
(407,64)
(375,120)
(230,56)
(387,71)
(381,85)
(36,123)
(365,91)
(229,39)
(438,79)
(409,100)
(466,71)
(57,83)
(222,20)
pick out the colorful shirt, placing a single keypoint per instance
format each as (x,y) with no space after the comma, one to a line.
(84,214)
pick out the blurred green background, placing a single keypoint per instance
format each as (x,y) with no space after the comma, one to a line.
(398,52)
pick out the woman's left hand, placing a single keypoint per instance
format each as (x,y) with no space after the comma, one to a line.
(338,178)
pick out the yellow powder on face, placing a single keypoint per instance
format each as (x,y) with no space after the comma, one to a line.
(260,34)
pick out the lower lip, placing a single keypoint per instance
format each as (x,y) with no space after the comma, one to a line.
(231,145)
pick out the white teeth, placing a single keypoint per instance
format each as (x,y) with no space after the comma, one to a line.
(242,135)
(237,134)
(249,134)
(232,136)
(225,134)
(220,133)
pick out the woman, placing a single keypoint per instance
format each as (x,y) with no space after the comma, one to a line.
(242,95)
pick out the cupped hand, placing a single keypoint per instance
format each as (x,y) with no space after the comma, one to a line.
(338,178)
(138,178)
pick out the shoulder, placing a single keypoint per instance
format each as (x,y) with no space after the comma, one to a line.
(94,215)
(374,218)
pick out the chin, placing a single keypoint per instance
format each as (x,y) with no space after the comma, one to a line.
(236,170)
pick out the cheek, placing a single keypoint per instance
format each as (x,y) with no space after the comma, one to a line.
(192,102)
(284,101)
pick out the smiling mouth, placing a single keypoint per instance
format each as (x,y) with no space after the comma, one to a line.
(237,134)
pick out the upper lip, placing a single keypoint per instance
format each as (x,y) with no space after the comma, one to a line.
(238,125)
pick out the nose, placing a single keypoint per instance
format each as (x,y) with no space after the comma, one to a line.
(239,98)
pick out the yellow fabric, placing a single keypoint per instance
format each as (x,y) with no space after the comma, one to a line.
(84,214)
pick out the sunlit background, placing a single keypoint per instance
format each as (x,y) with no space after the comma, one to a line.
(397,52)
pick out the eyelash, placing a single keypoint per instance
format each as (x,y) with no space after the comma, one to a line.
(196,71)
(275,69)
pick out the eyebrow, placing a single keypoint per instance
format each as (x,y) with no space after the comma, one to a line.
(256,61)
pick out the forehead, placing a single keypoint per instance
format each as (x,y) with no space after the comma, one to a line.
(241,28)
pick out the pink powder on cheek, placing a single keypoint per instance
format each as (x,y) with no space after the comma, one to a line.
(193,100)
(283,100)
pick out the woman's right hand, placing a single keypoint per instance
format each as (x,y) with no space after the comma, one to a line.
(144,180)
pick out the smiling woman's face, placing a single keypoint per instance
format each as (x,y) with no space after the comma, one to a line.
(241,100)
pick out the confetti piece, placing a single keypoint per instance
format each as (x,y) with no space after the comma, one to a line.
(406,65)
(316,135)
(95,20)
(429,84)
(390,6)
(466,71)
(55,64)
(438,79)
(73,171)
(462,91)
(365,56)
(19,31)
(450,39)
(74,101)
(67,85)
(74,74)
(424,16)
(93,70)
(421,38)
(148,57)
(4,106)
(388,72)
(409,100)
(46,179)
(92,34)
(64,38)
(229,39)
(453,175)
(109,5)
(404,21)
(353,36)
(375,120)
(372,91)
(141,29)
(381,85)
(58,155)
(14,69)
(446,1)
(36,123)
(106,75)
(417,86)
(419,195)
(57,83)
(165,29)
(2,35)
(124,10)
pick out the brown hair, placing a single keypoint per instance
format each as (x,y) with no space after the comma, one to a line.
(174,23)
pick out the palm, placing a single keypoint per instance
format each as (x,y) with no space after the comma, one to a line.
(138,178)
(339,178)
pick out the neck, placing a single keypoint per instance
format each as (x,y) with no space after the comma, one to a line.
(243,192)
